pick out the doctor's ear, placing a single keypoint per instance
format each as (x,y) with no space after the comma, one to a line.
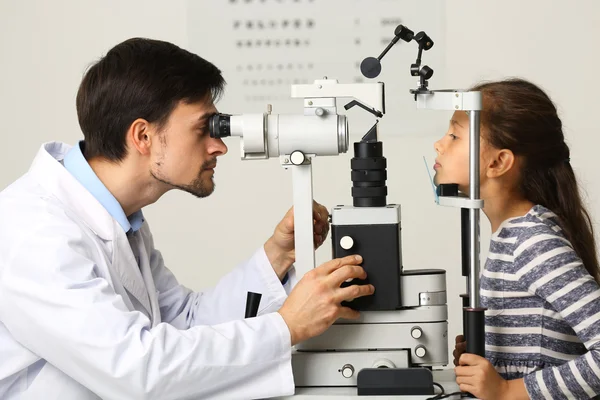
(140,136)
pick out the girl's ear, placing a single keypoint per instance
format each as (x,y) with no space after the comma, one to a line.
(499,163)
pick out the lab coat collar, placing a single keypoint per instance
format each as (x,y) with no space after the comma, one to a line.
(78,166)
(48,170)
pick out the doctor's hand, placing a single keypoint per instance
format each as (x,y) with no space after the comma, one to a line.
(280,247)
(314,304)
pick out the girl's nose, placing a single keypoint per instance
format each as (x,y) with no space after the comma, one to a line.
(438,147)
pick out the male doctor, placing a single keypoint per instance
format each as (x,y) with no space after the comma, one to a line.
(88,309)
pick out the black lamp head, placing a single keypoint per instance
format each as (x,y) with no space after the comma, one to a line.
(370,67)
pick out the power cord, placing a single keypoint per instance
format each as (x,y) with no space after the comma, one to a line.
(448,395)
(444,395)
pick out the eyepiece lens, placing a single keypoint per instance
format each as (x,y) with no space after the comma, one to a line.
(219,126)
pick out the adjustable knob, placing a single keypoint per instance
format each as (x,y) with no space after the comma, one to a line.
(383,363)
(346,242)
(347,371)
(297,157)
(420,351)
(416,332)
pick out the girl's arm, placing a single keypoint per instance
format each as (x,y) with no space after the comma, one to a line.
(548,267)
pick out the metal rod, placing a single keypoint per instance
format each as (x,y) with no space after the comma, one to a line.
(474,300)
(389,46)
(303,218)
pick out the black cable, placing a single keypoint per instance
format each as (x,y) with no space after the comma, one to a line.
(441,388)
(437,396)
(447,395)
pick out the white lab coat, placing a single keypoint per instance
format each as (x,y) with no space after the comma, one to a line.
(80,320)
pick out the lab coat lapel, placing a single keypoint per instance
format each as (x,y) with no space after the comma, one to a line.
(125,265)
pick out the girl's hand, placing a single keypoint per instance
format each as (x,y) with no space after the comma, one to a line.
(459,348)
(477,376)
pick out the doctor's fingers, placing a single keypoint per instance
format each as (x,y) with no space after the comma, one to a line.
(320,212)
(352,292)
(337,263)
(345,273)
(321,221)
(348,313)
(320,228)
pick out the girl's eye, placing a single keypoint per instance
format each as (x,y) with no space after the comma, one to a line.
(453,136)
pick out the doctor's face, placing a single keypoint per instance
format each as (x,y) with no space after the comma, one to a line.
(185,156)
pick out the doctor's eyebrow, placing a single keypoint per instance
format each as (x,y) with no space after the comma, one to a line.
(203,119)
(206,115)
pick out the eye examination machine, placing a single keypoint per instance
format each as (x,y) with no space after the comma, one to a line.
(400,342)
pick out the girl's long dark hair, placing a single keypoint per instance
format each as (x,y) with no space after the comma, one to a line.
(517,115)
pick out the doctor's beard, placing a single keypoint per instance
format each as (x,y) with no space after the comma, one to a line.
(200,187)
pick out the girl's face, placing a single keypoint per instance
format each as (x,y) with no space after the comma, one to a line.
(452,162)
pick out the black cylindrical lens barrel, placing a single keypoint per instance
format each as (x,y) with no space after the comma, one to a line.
(219,126)
(369,175)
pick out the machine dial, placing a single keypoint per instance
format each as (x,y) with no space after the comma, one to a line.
(297,157)
(383,363)
(347,371)
(346,242)
(420,351)
(416,332)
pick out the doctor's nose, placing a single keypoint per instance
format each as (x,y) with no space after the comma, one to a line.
(217,147)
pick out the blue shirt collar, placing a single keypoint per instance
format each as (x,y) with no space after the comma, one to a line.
(78,166)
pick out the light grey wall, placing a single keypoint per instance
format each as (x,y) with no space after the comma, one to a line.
(46,46)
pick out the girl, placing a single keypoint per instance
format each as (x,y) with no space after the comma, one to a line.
(539,283)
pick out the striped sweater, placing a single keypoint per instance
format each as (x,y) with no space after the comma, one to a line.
(543,317)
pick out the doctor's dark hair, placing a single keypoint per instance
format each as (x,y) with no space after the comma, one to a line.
(139,78)
(519,116)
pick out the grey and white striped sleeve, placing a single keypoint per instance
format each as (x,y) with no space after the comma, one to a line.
(548,267)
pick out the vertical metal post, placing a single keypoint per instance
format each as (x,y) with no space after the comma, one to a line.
(303,217)
(474,300)
(475,323)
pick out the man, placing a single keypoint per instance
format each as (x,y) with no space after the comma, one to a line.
(87,307)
